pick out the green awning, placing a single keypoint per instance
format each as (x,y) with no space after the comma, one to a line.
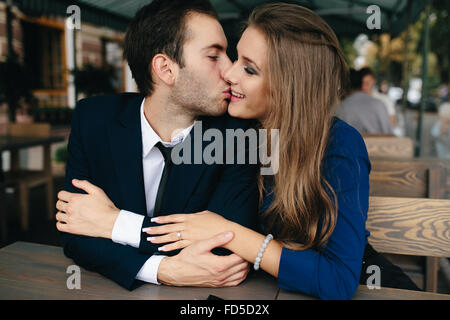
(346,17)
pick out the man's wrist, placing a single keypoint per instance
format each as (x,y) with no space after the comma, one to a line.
(163,275)
(109,225)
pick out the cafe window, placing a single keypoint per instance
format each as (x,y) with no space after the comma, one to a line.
(43,55)
(113,58)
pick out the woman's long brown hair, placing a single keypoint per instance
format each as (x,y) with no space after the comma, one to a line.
(307,76)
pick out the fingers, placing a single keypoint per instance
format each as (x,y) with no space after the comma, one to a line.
(236,278)
(171,237)
(234,283)
(65,196)
(217,241)
(86,186)
(165,229)
(173,218)
(61,226)
(61,217)
(234,275)
(175,245)
(230,261)
(230,273)
(62,206)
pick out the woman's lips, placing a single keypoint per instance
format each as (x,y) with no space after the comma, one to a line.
(236,97)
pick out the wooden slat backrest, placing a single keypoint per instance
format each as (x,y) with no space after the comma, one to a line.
(444,171)
(410,226)
(407,178)
(444,163)
(30,129)
(389,147)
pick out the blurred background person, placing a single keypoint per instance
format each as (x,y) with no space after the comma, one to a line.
(365,113)
(441,132)
(443,92)
(368,87)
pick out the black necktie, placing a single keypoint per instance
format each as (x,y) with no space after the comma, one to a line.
(166,152)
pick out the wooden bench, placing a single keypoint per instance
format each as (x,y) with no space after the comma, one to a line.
(383,164)
(389,146)
(410,226)
(445,164)
(415,178)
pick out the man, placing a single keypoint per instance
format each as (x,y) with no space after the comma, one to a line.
(367,86)
(365,113)
(177,54)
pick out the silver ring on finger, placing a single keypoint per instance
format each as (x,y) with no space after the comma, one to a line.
(179,235)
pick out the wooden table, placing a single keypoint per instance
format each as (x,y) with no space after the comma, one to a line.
(34,271)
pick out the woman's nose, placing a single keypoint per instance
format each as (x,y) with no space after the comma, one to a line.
(229,74)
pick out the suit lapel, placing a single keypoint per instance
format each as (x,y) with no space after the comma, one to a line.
(184,178)
(126,149)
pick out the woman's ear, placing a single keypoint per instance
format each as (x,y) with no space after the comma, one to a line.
(164,68)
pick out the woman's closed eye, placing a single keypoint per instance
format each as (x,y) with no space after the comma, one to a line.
(250,71)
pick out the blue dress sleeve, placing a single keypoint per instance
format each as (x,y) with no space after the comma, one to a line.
(334,272)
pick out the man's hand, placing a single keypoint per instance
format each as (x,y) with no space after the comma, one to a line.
(92,214)
(196,266)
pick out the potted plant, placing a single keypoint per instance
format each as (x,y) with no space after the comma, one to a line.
(59,161)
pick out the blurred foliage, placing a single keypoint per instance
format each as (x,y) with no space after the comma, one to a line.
(440,37)
(389,58)
(349,50)
(91,80)
(61,155)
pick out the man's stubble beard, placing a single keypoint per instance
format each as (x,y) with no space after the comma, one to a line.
(191,95)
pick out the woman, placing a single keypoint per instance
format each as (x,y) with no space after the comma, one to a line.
(289,75)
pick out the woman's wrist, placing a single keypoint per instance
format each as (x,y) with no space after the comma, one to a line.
(230,226)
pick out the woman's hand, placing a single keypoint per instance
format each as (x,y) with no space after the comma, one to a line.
(181,230)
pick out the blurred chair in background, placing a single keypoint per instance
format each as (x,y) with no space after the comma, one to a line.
(24,179)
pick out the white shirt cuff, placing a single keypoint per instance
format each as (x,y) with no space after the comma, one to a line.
(149,271)
(127,228)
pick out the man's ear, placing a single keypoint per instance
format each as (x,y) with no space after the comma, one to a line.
(164,68)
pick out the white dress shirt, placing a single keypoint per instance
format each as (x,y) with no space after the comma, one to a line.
(128,225)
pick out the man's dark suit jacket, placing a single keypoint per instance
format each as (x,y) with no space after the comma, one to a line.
(105,148)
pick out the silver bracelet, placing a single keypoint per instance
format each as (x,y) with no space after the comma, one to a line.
(261,251)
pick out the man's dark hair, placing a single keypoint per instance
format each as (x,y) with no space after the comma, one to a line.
(355,80)
(159,27)
(366,71)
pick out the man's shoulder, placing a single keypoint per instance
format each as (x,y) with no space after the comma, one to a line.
(353,101)
(107,103)
(375,102)
(360,100)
